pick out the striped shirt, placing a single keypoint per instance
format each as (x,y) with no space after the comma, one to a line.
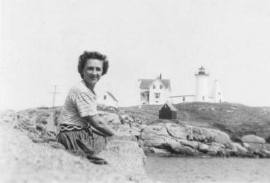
(80,102)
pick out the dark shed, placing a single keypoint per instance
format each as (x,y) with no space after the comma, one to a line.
(168,111)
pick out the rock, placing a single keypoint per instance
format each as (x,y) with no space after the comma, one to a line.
(253,139)
(267,146)
(158,136)
(186,140)
(155,135)
(238,148)
(266,153)
(46,121)
(246,145)
(204,148)
(126,132)
(176,130)
(208,135)
(125,156)
(178,148)
(143,126)
(216,149)
(110,118)
(192,144)
(254,144)
(125,118)
(32,162)
(255,147)
(8,116)
(159,152)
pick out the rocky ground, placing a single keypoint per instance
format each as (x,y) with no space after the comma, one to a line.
(209,129)
(40,159)
(181,139)
(30,152)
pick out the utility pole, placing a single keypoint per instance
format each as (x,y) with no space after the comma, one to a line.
(54,93)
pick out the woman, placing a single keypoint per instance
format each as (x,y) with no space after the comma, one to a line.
(82,131)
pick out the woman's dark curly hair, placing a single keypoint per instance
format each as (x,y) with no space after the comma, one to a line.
(92,55)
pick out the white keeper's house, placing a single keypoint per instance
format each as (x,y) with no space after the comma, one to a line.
(154,91)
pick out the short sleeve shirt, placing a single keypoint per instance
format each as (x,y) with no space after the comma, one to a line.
(80,102)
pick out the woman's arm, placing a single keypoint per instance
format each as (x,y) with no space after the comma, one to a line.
(99,124)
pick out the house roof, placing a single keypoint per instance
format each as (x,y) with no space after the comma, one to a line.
(145,83)
(172,108)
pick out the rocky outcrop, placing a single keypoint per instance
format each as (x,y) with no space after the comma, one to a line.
(155,136)
(207,135)
(47,161)
(189,140)
(256,145)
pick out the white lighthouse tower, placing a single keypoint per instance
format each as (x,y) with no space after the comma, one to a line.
(202,92)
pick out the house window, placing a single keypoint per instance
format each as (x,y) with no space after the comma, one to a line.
(157,95)
(160,87)
(154,87)
(105,97)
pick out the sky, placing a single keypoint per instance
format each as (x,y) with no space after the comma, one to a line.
(41,41)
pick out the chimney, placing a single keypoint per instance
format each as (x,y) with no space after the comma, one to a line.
(160,76)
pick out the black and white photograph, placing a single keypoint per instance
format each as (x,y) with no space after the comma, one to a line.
(135,91)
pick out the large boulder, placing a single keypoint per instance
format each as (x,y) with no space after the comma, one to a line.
(32,162)
(253,139)
(179,148)
(254,144)
(155,135)
(207,135)
(159,136)
(125,156)
(204,148)
(187,140)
